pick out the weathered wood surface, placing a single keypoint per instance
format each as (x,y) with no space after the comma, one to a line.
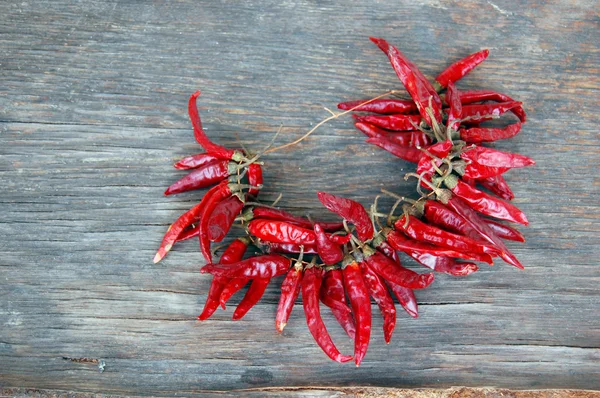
(92,114)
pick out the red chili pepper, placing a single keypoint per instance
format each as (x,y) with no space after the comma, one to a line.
(394,272)
(185,220)
(440,150)
(192,162)
(493,158)
(406,153)
(469,97)
(504,231)
(188,233)
(234,286)
(329,252)
(222,218)
(408,138)
(482,134)
(311,285)
(280,215)
(498,186)
(253,295)
(234,253)
(406,298)
(423,232)
(266,267)
(351,211)
(392,122)
(381,106)
(274,247)
(202,177)
(401,243)
(484,203)
(444,265)
(482,112)
(455,113)
(290,288)
(413,80)
(255,178)
(334,296)
(380,294)
(361,306)
(281,232)
(459,69)
(380,244)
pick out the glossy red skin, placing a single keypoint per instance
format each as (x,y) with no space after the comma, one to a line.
(290,288)
(329,252)
(444,265)
(188,233)
(392,122)
(213,201)
(460,68)
(380,294)
(360,302)
(493,158)
(465,210)
(194,161)
(234,253)
(413,80)
(482,112)
(381,106)
(255,178)
(423,232)
(253,295)
(401,243)
(209,146)
(311,285)
(351,211)
(482,134)
(471,96)
(266,267)
(489,205)
(233,286)
(222,218)
(406,298)
(202,177)
(289,248)
(389,270)
(498,186)
(333,295)
(280,215)
(405,153)
(504,231)
(281,232)
(406,138)
(388,250)
(455,113)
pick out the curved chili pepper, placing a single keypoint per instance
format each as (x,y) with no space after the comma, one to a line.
(401,243)
(459,69)
(482,112)
(455,113)
(484,203)
(498,186)
(405,153)
(281,215)
(380,294)
(406,138)
(234,253)
(333,295)
(281,232)
(233,286)
(392,122)
(482,134)
(471,96)
(381,106)
(266,267)
(311,284)
(394,272)
(419,88)
(222,218)
(274,247)
(443,264)
(202,177)
(329,252)
(406,298)
(194,161)
(188,233)
(493,158)
(361,306)
(351,211)
(504,231)
(253,295)
(255,178)
(380,244)
(290,288)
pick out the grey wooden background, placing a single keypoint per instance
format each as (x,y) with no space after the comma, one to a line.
(93,112)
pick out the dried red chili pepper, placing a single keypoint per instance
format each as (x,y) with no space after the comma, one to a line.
(381,106)
(380,244)
(392,122)
(460,68)
(504,231)
(406,298)
(329,252)
(311,285)
(394,272)
(188,233)
(280,215)
(253,295)
(439,150)
(493,158)
(222,218)
(290,288)
(233,286)
(266,267)
(281,232)
(445,265)
(482,112)
(234,253)
(204,176)
(471,96)
(255,178)
(380,294)
(361,306)
(405,153)
(455,113)
(273,247)
(407,138)
(333,295)
(195,161)
(351,211)
(482,134)
(498,186)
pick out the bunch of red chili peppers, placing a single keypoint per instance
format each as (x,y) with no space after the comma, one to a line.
(452,225)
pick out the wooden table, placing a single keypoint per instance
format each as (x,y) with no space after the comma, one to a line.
(93,113)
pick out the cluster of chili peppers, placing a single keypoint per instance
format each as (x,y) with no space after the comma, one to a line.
(452,225)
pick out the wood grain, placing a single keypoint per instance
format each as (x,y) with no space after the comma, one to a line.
(92,114)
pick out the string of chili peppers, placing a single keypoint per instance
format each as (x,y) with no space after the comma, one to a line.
(451,226)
